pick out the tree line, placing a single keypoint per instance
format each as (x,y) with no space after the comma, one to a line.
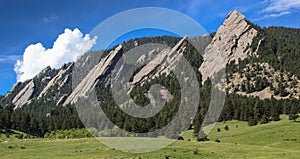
(60,118)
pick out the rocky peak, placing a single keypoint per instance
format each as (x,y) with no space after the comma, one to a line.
(161,62)
(23,97)
(44,71)
(60,78)
(90,80)
(231,42)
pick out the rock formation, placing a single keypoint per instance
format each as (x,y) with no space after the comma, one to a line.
(231,42)
(58,79)
(160,63)
(89,82)
(23,97)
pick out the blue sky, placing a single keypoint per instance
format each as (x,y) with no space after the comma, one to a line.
(32,21)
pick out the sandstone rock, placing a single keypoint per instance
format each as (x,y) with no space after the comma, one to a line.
(231,42)
(62,99)
(160,62)
(89,82)
(62,73)
(23,97)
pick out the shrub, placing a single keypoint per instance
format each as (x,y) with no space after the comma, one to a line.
(218,130)
(10,147)
(19,136)
(218,140)
(180,138)
(226,128)
(264,120)
(196,151)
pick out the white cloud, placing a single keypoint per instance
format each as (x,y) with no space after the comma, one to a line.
(278,14)
(282,5)
(9,58)
(277,8)
(193,6)
(274,15)
(69,46)
(49,19)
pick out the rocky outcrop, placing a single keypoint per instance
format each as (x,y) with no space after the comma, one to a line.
(58,79)
(23,97)
(264,80)
(160,63)
(90,80)
(231,42)
(62,99)
(164,94)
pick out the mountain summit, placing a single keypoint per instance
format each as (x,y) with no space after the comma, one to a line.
(231,42)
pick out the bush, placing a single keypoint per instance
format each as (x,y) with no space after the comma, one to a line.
(72,133)
(10,147)
(264,120)
(196,151)
(218,130)
(218,140)
(180,138)
(19,136)
(252,121)
(226,128)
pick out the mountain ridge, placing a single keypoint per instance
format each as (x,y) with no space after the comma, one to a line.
(231,44)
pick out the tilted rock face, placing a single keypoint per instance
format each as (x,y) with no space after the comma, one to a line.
(90,80)
(24,93)
(231,42)
(23,97)
(60,78)
(161,63)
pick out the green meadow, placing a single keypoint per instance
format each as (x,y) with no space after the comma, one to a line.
(273,140)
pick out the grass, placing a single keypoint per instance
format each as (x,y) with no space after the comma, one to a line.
(273,140)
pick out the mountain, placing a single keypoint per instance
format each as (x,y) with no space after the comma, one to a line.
(261,64)
(237,39)
(233,42)
(257,62)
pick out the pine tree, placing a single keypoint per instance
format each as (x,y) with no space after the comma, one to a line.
(293,115)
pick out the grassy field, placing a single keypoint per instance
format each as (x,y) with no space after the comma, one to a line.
(274,140)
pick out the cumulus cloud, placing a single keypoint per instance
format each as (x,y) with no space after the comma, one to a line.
(69,46)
